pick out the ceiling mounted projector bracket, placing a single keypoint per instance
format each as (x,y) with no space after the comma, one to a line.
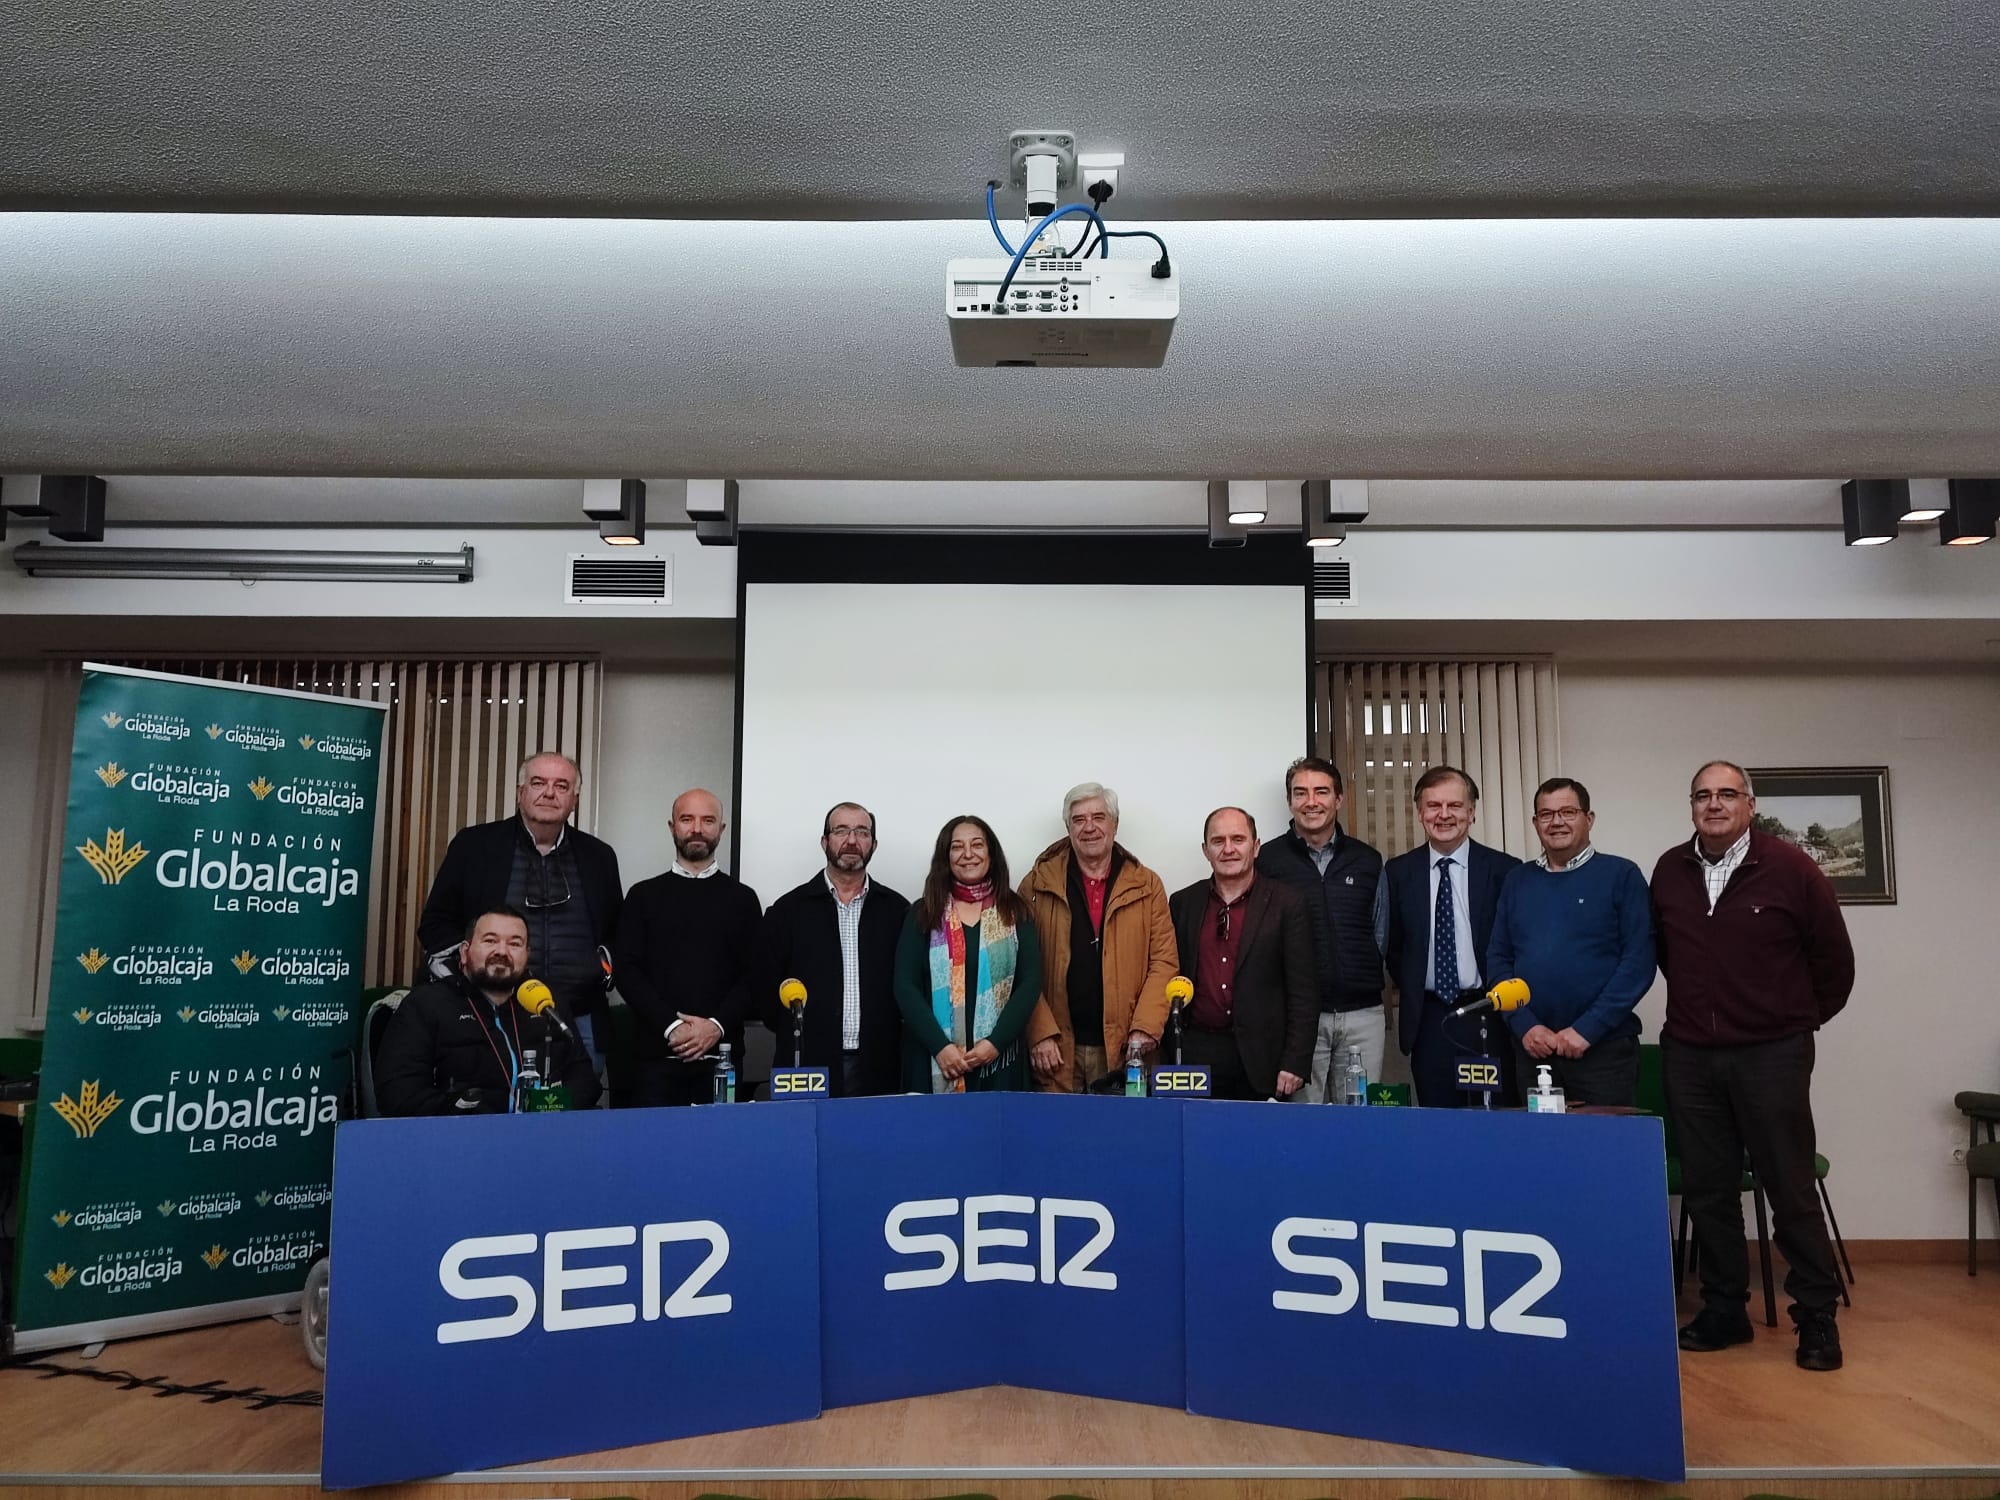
(1042,163)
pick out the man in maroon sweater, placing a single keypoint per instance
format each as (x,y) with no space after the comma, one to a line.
(1757,959)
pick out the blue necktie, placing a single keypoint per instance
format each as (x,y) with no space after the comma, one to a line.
(1444,936)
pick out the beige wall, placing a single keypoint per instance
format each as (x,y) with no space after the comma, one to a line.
(1925,1018)
(665,729)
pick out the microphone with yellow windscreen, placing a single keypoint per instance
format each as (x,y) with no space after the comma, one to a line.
(1180,990)
(537,999)
(1508,994)
(792,995)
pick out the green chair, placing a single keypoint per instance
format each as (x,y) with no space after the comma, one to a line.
(1980,1161)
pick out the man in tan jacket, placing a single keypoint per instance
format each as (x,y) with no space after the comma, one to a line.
(1108,948)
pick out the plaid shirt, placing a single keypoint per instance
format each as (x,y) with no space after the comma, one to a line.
(1717,871)
(848,915)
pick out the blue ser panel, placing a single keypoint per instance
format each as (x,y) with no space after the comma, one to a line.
(1489,1283)
(506,1289)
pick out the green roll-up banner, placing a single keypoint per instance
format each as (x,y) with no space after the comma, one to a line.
(203,1001)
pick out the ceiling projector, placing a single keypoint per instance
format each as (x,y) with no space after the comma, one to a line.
(1114,314)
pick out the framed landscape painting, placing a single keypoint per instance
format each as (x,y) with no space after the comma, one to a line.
(1840,816)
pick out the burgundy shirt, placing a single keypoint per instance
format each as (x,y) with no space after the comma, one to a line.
(1214,999)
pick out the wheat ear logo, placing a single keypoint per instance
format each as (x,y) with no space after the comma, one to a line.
(165,1207)
(215,731)
(62,1216)
(94,960)
(186,1012)
(113,719)
(281,1011)
(305,742)
(244,961)
(87,1111)
(60,1276)
(264,1198)
(111,773)
(260,789)
(113,862)
(83,1015)
(214,1255)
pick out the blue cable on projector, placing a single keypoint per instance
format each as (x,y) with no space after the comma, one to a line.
(994,219)
(999,297)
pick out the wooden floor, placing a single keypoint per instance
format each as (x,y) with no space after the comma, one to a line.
(1915,1413)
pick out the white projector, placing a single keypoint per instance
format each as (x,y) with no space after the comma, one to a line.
(1111,313)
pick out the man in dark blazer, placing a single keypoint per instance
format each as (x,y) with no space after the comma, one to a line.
(1425,926)
(840,926)
(1247,944)
(564,881)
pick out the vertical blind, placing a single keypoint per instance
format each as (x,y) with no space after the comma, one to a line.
(456,733)
(1385,723)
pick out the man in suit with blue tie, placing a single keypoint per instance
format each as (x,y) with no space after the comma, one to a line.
(1438,902)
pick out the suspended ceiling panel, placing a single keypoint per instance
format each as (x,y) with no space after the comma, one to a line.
(864,110)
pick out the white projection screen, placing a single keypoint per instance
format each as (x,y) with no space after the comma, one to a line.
(924,700)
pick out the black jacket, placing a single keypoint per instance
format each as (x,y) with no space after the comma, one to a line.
(1274,1011)
(474,877)
(800,939)
(1407,878)
(687,946)
(446,1037)
(1341,907)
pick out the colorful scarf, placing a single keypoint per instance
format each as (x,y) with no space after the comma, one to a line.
(992,971)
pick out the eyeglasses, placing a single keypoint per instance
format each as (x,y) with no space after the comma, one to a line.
(845,832)
(545,903)
(1724,795)
(1561,815)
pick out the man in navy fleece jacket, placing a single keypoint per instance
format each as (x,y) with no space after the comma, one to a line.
(1577,925)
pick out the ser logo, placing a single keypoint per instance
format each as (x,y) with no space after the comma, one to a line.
(801,1083)
(1380,1273)
(1184,1079)
(979,1239)
(1478,1073)
(688,1300)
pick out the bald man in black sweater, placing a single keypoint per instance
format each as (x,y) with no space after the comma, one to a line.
(682,959)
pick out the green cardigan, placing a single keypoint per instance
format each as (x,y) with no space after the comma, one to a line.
(923,1038)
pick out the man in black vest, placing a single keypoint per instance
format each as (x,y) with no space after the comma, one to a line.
(561,879)
(836,935)
(1337,875)
(684,951)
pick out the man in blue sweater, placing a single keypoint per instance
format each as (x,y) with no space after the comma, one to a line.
(1577,925)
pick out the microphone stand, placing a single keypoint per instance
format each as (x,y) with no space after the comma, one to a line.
(799,1035)
(1175,1018)
(1486,1094)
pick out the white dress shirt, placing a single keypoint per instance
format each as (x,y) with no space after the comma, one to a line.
(847,916)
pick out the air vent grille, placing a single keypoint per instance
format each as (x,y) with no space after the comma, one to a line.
(597,579)
(1333,580)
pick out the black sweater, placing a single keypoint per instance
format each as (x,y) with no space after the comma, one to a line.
(686,946)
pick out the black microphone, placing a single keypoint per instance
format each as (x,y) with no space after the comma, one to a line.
(1508,994)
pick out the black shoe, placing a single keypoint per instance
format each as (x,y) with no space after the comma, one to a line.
(1819,1341)
(1712,1330)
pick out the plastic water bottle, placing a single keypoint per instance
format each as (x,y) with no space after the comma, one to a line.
(1353,1079)
(1135,1071)
(1545,1098)
(529,1079)
(725,1078)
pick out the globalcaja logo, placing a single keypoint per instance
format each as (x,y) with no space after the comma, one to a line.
(324,1016)
(113,719)
(181,785)
(228,1015)
(259,737)
(244,961)
(135,1015)
(237,1109)
(342,747)
(319,796)
(118,1214)
(269,1254)
(214,1256)
(127,1270)
(260,788)
(262,872)
(264,1198)
(165,729)
(299,1198)
(203,1206)
(111,773)
(307,966)
(112,860)
(87,1110)
(59,1275)
(186,1013)
(153,963)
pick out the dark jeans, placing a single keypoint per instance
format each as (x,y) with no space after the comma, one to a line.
(1216,1051)
(1439,1046)
(1607,1074)
(1724,1101)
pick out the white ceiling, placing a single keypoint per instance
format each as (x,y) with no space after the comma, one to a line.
(855,109)
(180,500)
